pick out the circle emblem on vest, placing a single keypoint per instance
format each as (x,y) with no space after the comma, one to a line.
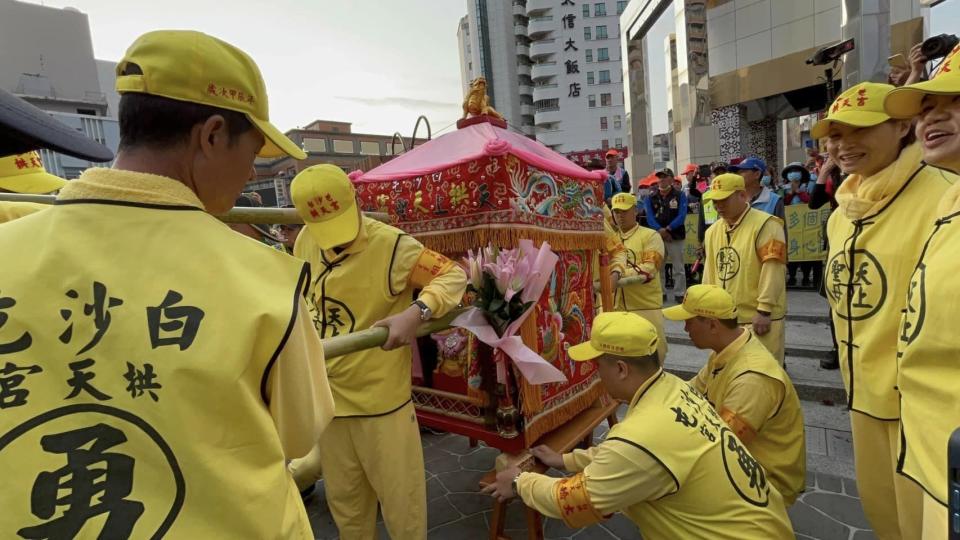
(728,263)
(743,470)
(858,290)
(335,319)
(916,305)
(89,467)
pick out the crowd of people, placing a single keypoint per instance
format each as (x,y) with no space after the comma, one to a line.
(141,335)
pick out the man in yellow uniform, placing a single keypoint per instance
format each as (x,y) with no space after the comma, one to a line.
(365,274)
(159,369)
(24,173)
(746,255)
(616,253)
(670,465)
(644,258)
(928,348)
(749,389)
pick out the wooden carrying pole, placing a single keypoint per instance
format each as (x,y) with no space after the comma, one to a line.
(264,216)
(377,336)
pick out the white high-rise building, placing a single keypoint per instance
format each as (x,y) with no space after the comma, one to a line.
(555,67)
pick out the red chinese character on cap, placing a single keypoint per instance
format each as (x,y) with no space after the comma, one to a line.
(333,203)
(212,89)
(223,92)
(20,163)
(233,93)
(862,97)
(34,162)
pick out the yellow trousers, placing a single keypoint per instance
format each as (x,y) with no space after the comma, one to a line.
(366,460)
(774,339)
(893,503)
(655,316)
(935,520)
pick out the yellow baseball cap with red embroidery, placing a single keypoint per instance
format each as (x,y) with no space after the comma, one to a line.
(24,173)
(723,186)
(619,333)
(708,301)
(905,102)
(192,66)
(623,201)
(324,197)
(860,106)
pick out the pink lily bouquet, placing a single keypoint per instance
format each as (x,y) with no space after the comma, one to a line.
(506,284)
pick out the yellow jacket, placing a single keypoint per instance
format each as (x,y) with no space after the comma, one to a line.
(755,397)
(748,259)
(876,235)
(372,279)
(929,408)
(672,467)
(10,211)
(163,368)
(644,257)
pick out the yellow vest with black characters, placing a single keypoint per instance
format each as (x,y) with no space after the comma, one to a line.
(350,292)
(780,445)
(737,265)
(638,296)
(136,343)
(722,492)
(866,280)
(928,374)
(10,210)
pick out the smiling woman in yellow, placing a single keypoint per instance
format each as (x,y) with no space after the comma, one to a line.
(875,240)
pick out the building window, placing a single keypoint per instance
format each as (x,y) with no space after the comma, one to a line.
(603,123)
(592,100)
(616,124)
(605,143)
(601,32)
(621,5)
(552,104)
(618,143)
(605,100)
(342,147)
(590,78)
(603,54)
(604,76)
(586,33)
(600,10)
(370,148)
(315,145)
(589,53)
(586,10)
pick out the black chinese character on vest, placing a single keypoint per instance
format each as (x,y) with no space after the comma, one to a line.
(23,342)
(80,381)
(179,324)
(10,380)
(90,484)
(99,309)
(141,380)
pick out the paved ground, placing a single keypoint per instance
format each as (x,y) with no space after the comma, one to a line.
(829,510)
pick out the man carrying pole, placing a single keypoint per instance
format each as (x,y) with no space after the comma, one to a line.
(365,274)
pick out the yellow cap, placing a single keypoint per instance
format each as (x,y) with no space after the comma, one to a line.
(723,186)
(623,201)
(620,333)
(324,197)
(24,173)
(904,102)
(192,66)
(860,106)
(703,301)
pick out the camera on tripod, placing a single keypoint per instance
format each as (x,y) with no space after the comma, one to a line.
(828,55)
(938,46)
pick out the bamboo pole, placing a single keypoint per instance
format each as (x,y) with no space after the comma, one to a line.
(377,336)
(265,216)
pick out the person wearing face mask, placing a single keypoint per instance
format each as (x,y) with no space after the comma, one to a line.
(875,240)
(797,179)
(666,210)
(762,197)
(928,347)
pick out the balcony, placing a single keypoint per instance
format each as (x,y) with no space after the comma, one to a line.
(523,49)
(519,9)
(519,29)
(550,137)
(543,47)
(547,116)
(543,70)
(523,69)
(528,130)
(541,25)
(546,91)
(526,90)
(537,7)
(526,109)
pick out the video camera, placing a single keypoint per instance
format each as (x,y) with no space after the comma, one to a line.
(828,55)
(938,46)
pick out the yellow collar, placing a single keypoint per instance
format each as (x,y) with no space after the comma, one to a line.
(643,387)
(128,186)
(859,197)
(719,360)
(627,234)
